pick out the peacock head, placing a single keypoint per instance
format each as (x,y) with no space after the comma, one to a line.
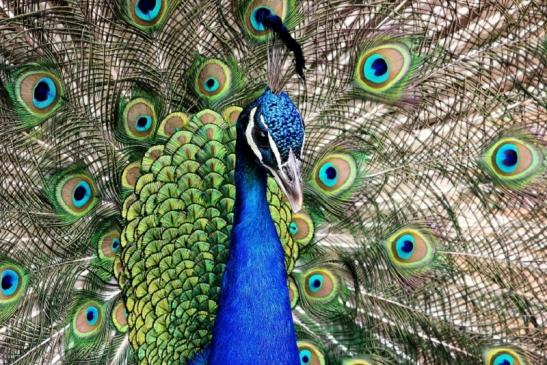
(274,130)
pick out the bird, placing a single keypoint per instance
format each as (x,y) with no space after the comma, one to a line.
(303,182)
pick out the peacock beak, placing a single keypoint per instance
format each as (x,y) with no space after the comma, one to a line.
(289,179)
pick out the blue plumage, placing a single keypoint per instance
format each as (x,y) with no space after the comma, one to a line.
(254,321)
(283,121)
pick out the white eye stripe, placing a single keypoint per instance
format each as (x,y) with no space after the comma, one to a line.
(275,150)
(249,134)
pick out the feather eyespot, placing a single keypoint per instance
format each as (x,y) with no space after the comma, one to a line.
(40,91)
(12,283)
(335,174)
(139,119)
(9,282)
(147,14)
(109,245)
(310,354)
(320,284)
(214,80)
(381,68)
(76,195)
(88,319)
(253,26)
(513,162)
(301,228)
(410,248)
(36,93)
(503,356)
(119,316)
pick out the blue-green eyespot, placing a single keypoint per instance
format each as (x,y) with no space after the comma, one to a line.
(75,194)
(13,282)
(214,80)
(320,284)
(503,356)
(381,68)
(410,248)
(88,319)
(36,93)
(109,245)
(139,119)
(335,173)
(253,27)
(301,228)
(147,14)
(310,354)
(513,162)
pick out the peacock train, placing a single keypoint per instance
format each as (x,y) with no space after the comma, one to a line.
(287,182)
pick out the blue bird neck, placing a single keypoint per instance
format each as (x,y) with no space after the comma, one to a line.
(254,320)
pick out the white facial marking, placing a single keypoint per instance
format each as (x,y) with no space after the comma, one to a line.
(249,134)
(275,151)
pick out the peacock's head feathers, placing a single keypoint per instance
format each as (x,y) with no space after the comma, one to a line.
(274,131)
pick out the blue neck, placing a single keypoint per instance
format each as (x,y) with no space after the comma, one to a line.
(254,321)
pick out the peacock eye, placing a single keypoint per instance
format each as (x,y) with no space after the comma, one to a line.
(405,247)
(88,319)
(76,194)
(214,80)
(329,174)
(9,282)
(513,162)
(139,119)
(91,315)
(147,14)
(39,93)
(335,173)
(410,248)
(143,123)
(259,13)
(13,282)
(320,284)
(503,356)
(310,354)
(257,9)
(109,244)
(381,68)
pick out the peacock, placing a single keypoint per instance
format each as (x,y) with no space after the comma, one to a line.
(285,182)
